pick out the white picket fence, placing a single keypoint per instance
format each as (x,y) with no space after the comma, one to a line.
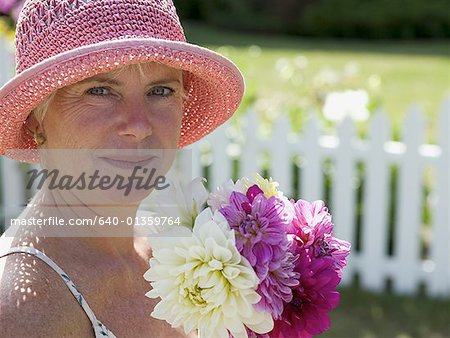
(405,267)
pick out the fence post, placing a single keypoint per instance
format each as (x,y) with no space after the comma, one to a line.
(221,164)
(375,217)
(189,162)
(408,220)
(343,196)
(311,180)
(13,190)
(7,59)
(250,150)
(281,162)
(440,251)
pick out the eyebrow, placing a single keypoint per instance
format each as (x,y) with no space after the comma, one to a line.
(106,80)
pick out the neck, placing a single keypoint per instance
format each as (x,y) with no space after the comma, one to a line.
(64,217)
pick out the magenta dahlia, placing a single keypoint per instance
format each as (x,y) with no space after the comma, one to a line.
(320,260)
(307,313)
(260,229)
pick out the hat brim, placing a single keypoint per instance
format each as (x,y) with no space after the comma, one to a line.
(215,86)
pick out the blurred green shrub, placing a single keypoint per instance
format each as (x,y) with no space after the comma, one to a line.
(375,19)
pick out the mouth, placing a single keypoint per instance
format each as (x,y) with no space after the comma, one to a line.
(128,163)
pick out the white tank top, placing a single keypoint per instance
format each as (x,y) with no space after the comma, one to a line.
(100,330)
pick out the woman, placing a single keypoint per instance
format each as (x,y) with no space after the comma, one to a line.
(114,82)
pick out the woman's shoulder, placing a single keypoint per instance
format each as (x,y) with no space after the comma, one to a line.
(34,301)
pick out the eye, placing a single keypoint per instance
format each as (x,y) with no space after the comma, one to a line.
(98,91)
(161,91)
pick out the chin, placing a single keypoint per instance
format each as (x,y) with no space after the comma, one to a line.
(116,197)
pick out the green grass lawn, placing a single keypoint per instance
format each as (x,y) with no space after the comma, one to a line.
(397,73)
(365,315)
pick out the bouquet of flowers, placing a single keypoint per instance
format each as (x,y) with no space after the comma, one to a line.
(251,264)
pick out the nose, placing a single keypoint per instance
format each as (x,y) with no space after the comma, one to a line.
(135,123)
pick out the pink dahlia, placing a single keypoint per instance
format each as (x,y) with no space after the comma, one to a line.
(312,226)
(311,221)
(260,229)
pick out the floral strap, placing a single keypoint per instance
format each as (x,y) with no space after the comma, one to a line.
(100,329)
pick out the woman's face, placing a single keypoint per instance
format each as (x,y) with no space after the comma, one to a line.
(116,122)
(118,110)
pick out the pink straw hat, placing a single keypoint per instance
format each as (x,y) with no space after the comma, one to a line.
(61,42)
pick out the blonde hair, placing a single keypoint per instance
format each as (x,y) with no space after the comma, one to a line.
(40,111)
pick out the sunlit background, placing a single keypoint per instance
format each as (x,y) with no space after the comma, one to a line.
(332,61)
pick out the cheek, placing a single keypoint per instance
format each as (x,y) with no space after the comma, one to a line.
(75,126)
(167,123)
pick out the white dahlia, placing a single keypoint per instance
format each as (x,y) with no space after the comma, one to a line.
(203,281)
(220,198)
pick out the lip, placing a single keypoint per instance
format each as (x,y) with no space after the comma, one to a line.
(128,163)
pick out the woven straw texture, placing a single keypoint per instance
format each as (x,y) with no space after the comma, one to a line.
(61,42)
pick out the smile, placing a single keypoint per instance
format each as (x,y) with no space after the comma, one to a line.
(127,162)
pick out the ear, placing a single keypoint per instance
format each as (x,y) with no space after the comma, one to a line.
(31,123)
